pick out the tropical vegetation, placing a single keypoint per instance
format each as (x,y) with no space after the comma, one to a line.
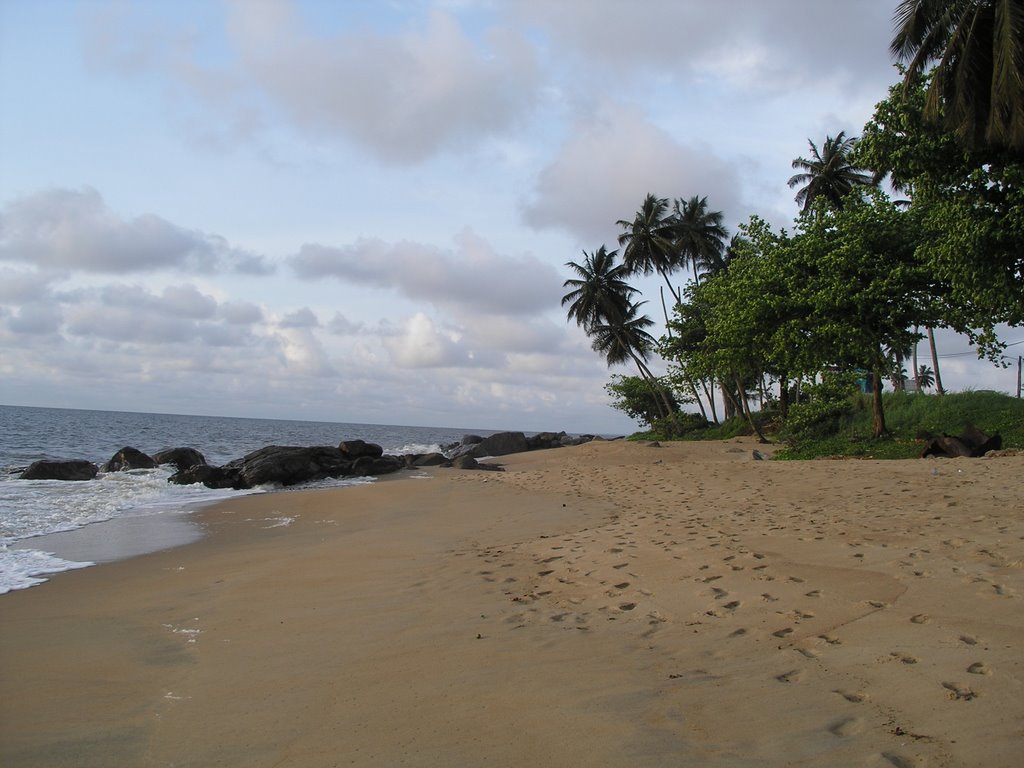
(794,331)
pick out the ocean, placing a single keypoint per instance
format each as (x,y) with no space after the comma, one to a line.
(31,509)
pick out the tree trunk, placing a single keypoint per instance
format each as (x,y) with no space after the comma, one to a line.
(876,402)
(696,397)
(935,363)
(745,407)
(783,396)
(917,371)
(710,395)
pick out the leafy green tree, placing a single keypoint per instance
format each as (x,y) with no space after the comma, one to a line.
(828,174)
(968,205)
(647,241)
(977,46)
(633,396)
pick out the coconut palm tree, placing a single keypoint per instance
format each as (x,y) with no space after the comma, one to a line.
(828,174)
(625,338)
(699,235)
(648,241)
(600,292)
(977,47)
(925,378)
(600,301)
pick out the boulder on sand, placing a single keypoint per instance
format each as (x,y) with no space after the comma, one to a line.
(289,465)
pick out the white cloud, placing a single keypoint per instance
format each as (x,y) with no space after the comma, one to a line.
(471,279)
(300,318)
(752,44)
(73,229)
(611,161)
(421,344)
(403,96)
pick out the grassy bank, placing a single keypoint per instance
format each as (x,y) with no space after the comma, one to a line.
(912,421)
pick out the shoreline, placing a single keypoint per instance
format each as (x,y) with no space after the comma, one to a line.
(609,604)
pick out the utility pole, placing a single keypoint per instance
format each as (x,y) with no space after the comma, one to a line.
(1019,358)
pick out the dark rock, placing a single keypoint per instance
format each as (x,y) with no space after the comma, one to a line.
(289,465)
(357,449)
(503,443)
(473,450)
(545,440)
(471,439)
(211,477)
(182,458)
(60,469)
(972,444)
(430,460)
(468,462)
(380,465)
(128,458)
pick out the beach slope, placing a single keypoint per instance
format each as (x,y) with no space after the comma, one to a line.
(612,604)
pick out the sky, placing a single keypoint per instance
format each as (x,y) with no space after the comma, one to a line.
(361,211)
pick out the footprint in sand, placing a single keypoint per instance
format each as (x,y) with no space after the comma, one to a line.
(903,657)
(732,606)
(920,618)
(830,639)
(847,726)
(813,593)
(959,691)
(977,668)
(968,640)
(855,697)
(793,676)
(899,761)
(783,632)
(738,633)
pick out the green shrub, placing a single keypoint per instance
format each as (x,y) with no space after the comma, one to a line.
(828,405)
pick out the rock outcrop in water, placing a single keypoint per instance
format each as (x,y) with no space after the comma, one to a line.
(128,458)
(291,465)
(60,469)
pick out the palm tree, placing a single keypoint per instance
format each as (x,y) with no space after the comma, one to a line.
(648,241)
(699,236)
(601,291)
(625,338)
(925,378)
(828,174)
(978,83)
(601,303)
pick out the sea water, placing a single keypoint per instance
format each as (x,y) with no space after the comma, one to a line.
(30,509)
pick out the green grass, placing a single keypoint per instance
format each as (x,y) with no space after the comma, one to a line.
(912,421)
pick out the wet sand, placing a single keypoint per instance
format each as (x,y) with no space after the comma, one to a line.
(611,604)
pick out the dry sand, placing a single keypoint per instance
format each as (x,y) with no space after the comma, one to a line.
(613,604)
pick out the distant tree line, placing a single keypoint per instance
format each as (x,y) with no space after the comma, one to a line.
(861,277)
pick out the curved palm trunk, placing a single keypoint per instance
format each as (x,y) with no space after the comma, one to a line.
(876,402)
(917,371)
(935,363)
(745,407)
(677,295)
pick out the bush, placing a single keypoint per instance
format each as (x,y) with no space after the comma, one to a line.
(828,405)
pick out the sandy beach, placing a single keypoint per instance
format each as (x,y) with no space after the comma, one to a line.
(612,604)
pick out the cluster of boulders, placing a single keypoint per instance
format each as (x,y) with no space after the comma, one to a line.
(290,465)
(971,443)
